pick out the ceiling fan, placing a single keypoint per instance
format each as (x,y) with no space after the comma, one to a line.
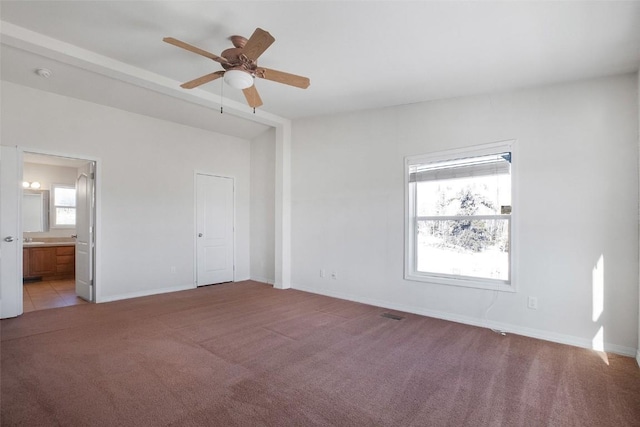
(241,66)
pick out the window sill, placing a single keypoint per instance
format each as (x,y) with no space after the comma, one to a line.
(493,285)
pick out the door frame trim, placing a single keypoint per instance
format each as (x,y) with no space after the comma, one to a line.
(97,232)
(195,221)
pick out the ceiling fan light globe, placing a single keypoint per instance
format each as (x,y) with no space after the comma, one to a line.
(238,79)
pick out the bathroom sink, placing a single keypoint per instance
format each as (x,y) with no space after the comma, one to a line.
(34,243)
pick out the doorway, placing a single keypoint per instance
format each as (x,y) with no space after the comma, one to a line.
(214,229)
(58,253)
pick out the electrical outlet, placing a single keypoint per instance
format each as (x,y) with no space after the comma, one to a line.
(322,272)
(532,303)
(173,269)
(334,275)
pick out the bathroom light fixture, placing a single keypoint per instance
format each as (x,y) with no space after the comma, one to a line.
(35,184)
(238,79)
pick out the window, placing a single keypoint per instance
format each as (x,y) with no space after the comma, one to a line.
(458,217)
(64,206)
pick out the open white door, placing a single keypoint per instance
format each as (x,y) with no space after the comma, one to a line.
(85,231)
(214,228)
(10,235)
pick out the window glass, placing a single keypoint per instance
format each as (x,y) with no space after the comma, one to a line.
(482,195)
(64,206)
(65,216)
(65,196)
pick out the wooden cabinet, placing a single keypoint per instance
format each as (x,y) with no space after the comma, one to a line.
(65,260)
(42,261)
(49,262)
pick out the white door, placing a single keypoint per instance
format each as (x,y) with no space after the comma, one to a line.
(85,231)
(10,236)
(214,229)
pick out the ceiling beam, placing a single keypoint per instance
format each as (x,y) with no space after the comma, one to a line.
(30,41)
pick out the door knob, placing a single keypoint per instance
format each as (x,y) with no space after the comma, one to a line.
(199,234)
(9,239)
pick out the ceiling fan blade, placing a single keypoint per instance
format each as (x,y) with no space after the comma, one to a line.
(259,41)
(202,80)
(194,49)
(282,77)
(252,96)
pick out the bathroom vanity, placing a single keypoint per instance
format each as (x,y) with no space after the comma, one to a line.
(48,261)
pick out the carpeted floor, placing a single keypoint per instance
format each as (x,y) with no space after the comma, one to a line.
(248,355)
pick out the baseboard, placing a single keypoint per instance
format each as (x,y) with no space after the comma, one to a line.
(514,329)
(638,357)
(263,280)
(145,293)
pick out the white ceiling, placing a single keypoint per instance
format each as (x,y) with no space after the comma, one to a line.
(358,54)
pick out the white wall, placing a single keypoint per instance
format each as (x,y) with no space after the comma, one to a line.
(47,175)
(146,173)
(263,208)
(578,200)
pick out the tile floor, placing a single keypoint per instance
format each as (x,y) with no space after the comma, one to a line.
(55,293)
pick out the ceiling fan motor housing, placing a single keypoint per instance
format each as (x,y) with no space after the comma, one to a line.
(237,60)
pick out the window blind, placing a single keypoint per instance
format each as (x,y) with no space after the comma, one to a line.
(494,164)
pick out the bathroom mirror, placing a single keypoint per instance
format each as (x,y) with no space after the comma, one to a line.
(35,210)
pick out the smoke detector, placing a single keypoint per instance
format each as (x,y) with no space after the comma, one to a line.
(43,72)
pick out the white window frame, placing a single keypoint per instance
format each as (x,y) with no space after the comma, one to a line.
(410,258)
(54,213)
